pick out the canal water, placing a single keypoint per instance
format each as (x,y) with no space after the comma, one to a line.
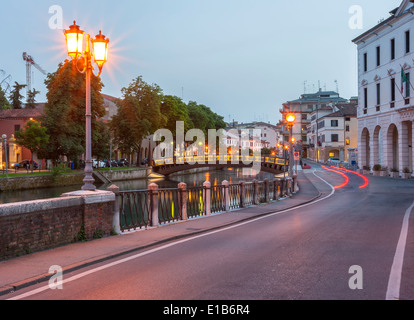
(192,180)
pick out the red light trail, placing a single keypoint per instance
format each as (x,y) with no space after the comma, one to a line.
(366,181)
(342,174)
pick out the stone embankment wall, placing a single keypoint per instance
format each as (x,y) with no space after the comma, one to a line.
(40,181)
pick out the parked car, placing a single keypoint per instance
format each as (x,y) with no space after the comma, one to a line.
(144,161)
(333,162)
(123,162)
(344,164)
(110,163)
(98,164)
(25,164)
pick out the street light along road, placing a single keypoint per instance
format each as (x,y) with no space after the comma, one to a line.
(99,53)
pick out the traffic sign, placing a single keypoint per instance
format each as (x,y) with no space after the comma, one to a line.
(296,156)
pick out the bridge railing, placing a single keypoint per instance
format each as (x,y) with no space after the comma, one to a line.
(219,158)
(155,207)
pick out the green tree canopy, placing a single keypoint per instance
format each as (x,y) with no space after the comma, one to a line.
(174,109)
(64,114)
(31,99)
(33,137)
(138,116)
(4,103)
(15,96)
(204,118)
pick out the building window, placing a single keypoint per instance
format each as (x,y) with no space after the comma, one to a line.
(347,129)
(321,124)
(334,138)
(407,85)
(365,98)
(378,94)
(392,49)
(304,116)
(348,141)
(393,89)
(365,62)
(407,41)
(334,123)
(378,56)
(16,127)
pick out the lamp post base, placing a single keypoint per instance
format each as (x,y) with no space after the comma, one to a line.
(88,180)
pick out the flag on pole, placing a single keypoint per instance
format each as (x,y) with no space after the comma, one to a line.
(404,80)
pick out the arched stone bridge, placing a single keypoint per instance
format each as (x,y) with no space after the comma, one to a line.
(172,165)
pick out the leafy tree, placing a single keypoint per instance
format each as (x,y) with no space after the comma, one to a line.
(174,109)
(15,96)
(64,113)
(31,99)
(4,103)
(33,137)
(138,116)
(204,118)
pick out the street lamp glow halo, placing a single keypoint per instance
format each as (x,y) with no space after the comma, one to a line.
(290,118)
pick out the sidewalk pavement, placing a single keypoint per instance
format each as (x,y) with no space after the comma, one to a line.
(28,270)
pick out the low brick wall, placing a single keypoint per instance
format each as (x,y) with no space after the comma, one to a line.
(28,227)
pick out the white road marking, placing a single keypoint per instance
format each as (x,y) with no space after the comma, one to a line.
(109,265)
(394,282)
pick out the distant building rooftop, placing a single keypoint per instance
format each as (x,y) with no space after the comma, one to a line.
(20,113)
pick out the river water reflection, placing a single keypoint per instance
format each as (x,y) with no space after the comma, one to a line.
(193,179)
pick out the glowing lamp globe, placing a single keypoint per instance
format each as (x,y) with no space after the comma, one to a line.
(290,118)
(100,49)
(74,40)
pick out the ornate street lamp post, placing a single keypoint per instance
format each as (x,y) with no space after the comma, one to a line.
(99,53)
(290,119)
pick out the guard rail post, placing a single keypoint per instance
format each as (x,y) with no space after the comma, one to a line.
(207,200)
(153,198)
(183,200)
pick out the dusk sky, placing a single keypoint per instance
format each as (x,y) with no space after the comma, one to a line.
(242,58)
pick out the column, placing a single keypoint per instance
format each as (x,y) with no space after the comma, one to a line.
(183,200)
(403,144)
(225,185)
(153,198)
(116,220)
(207,199)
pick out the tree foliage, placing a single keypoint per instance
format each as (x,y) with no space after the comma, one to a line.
(64,114)
(145,109)
(4,103)
(174,109)
(138,116)
(33,137)
(31,99)
(15,96)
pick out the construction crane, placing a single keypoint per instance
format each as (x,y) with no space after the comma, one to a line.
(5,82)
(29,63)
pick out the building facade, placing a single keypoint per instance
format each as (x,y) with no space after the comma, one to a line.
(13,120)
(306,109)
(269,133)
(333,133)
(386,104)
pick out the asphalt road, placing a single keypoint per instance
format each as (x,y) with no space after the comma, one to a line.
(306,253)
